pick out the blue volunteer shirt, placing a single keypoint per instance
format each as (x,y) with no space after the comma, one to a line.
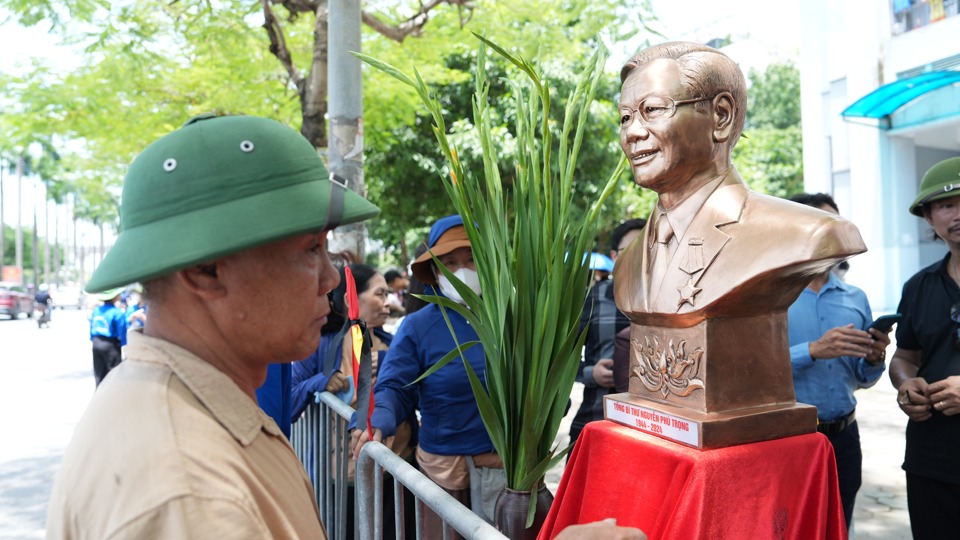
(829,383)
(109,321)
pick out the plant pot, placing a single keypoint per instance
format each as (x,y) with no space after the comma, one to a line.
(510,513)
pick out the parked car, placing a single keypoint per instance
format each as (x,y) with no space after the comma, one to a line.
(14,300)
(68,297)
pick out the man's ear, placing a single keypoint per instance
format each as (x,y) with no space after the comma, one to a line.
(724,109)
(202,280)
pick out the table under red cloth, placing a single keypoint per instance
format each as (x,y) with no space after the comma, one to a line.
(780,489)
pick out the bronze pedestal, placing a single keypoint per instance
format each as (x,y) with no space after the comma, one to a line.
(716,383)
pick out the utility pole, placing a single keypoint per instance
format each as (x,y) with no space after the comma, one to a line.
(345,109)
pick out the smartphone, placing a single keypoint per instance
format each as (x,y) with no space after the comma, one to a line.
(885,322)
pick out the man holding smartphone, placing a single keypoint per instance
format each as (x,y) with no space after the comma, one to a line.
(833,354)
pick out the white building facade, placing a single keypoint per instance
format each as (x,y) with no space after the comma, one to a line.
(893,68)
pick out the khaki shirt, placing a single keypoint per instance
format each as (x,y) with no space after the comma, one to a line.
(170,447)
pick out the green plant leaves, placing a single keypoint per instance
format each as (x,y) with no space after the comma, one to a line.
(530,243)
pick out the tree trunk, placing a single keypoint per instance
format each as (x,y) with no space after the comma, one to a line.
(36,244)
(46,240)
(57,261)
(313,98)
(77,251)
(346,129)
(103,247)
(3,227)
(19,246)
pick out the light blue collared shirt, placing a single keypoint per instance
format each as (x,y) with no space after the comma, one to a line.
(829,383)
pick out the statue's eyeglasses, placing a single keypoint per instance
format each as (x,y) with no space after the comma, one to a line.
(656,108)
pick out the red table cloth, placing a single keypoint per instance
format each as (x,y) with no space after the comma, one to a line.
(780,489)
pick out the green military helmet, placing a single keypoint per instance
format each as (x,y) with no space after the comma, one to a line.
(109,294)
(942,181)
(216,186)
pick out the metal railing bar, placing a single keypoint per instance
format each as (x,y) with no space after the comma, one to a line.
(399,510)
(375,456)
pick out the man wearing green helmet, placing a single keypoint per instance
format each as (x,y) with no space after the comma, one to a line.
(926,367)
(108,333)
(224,222)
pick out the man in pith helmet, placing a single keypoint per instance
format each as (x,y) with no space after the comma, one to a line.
(224,222)
(925,369)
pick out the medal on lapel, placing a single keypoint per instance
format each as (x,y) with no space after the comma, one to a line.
(690,266)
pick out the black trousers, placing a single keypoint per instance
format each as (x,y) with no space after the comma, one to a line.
(106,356)
(846,451)
(933,507)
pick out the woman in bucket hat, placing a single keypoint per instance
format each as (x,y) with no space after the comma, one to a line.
(454,449)
(220,221)
(926,366)
(451,430)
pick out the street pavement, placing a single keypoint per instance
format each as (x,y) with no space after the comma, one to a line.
(46,384)
(48,381)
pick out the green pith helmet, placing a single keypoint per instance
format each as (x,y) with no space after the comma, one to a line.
(216,186)
(942,181)
(109,294)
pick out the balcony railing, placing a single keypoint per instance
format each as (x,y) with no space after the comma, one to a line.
(912,14)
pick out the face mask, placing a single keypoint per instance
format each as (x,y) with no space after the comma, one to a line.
(467,276)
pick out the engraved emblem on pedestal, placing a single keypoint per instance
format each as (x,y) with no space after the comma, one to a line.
(667,370)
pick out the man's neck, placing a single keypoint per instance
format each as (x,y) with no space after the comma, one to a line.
(819,281)
(205,341)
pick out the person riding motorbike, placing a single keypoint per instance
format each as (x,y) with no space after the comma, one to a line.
(43,306)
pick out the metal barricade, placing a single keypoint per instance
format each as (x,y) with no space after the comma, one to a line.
(321,440)
(376,458)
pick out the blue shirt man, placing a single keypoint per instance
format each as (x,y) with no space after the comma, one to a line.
(108,332)
(829,383)
(833,355)
(109,321)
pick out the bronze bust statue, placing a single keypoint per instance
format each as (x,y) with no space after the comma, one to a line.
(708,282)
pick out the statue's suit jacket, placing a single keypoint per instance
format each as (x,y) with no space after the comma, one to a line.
(744,254)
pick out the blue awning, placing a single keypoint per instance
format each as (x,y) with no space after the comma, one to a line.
(889,98)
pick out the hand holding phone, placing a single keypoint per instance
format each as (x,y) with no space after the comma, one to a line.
(886,322)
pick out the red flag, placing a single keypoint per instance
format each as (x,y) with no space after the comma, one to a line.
(356,339)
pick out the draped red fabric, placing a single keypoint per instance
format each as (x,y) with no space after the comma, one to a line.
(771,490)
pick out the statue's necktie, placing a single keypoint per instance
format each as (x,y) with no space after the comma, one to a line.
(662,253)
(664,230)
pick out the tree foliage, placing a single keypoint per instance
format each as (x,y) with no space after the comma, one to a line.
(148,65)
(406,166)
(774,98)
(770,156)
